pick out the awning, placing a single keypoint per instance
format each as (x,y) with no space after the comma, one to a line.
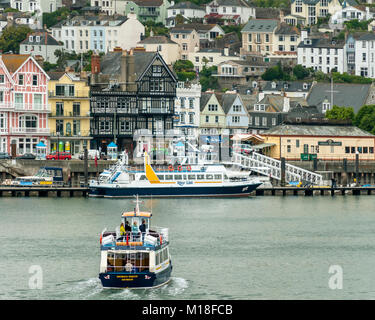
(263,145)
(246,137)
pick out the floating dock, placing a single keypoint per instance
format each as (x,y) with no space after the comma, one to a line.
(271,191)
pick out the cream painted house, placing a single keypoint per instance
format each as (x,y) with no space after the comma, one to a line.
(212,114)
(311,10)
(186,38)
(168,49)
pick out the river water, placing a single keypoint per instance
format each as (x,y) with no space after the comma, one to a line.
(249,248)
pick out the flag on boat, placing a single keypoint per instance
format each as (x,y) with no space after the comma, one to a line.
(96,161)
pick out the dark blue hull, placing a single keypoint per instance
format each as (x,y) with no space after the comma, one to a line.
(215,191)
(135,280)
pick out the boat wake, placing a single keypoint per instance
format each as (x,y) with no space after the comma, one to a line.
(92,289)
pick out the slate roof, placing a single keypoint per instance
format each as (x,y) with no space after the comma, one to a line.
(45,39)
(157,40)
(232,3)
(285,28)
(322,43)
(344,95)
(260,25)
(111,62)
(186,5)
(227,101)
(292,86)
(317,130)
(199,27)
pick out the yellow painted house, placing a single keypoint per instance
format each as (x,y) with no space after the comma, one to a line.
(69,121)
(212,117)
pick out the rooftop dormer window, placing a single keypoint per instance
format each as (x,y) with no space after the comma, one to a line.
(31,38)
(305,86)
(37,38)
(273,85)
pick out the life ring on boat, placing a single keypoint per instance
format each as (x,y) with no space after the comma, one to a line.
(188,167)
(170,168)
(179,168)
(161,240)
(101,238)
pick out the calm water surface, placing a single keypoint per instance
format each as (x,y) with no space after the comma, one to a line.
(253,248)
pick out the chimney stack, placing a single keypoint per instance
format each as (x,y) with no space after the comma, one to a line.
(95,63)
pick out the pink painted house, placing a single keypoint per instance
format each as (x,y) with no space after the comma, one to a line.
(24,105)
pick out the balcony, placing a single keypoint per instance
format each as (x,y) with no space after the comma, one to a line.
(25,107)
(148,13)
(71,136)
(4,130)
(26,130)
(75,94)
(70,114)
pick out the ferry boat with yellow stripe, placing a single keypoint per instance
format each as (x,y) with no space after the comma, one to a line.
(135,256)
(187,180)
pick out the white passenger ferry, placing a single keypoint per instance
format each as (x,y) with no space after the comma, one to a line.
(137,257)
(186,180)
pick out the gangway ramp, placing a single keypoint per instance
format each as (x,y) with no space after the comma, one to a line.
(272,168)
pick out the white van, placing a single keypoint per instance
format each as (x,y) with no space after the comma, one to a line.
(90,155)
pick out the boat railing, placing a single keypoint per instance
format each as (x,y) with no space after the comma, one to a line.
(155,236)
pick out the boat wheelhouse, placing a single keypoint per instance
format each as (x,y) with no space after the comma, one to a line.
(186,180)
(134,256)
(46,176)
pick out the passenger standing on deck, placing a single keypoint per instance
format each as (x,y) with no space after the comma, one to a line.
(142,228)
(135,231)
(122,230)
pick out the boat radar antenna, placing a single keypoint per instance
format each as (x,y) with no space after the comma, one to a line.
(137,202)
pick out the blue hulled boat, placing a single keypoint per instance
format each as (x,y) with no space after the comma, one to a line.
(137,257)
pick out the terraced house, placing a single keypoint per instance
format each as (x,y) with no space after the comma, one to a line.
(308,11)
(212,114)
(69,120)
(24,105)
(149,10)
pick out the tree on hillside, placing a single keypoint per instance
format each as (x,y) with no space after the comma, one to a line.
(11,38)
(206,79)
(341,113)
(301,72)
(184,70)
(365,118)
(52,18)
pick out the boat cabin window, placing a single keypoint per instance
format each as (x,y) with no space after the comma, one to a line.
(143,177)
(200,176)
(191,176)
(209,176)
(218,177)
(178,177)
(161,177)
(168,177)
(161,256)
(130,262)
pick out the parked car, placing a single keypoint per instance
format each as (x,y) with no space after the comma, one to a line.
(4,155)
(59,156)
(27,156)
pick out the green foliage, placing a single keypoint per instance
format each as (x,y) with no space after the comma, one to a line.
(233,28)
(341,113)
(272,3)
(348,78)
(11,38)
(277,72)
(10,10)
(63,56)
(47,66)
(158,28)
(184,70)
(206,79)
(50,19)
(301,72)
(365,118)
(356,25)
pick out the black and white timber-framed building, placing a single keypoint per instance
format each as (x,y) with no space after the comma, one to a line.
(130,91)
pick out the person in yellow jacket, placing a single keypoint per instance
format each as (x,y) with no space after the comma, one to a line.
(122,230)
